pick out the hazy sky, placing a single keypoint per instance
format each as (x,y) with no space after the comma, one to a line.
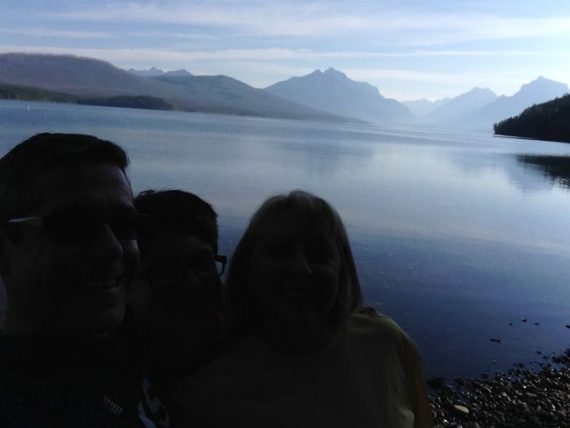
(409,49)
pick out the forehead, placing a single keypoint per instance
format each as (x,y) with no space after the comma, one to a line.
(90,184)
(175,248)
(295,223)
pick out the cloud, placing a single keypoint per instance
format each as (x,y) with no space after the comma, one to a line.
(49,33)
(116,56)
(337,19)
(158,35)
(159,55)
(375,74)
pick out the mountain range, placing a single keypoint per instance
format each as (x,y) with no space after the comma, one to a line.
(422,107)
(321,95)
(96,79)
(480,108)
(463,105)
(332,91)
(538,91)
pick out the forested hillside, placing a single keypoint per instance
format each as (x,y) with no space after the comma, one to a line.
(547,121)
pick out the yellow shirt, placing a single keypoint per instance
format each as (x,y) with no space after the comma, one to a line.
(369,377)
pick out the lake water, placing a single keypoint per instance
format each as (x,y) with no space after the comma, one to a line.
(456,235)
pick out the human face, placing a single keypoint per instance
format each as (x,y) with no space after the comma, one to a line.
(176,301)
(80,288)
(294,271)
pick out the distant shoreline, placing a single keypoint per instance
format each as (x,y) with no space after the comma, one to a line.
(26,93)
(204,112)
(143,102)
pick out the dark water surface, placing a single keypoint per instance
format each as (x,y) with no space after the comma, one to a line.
(456,235)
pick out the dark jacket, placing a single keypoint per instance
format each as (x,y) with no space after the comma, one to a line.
(52,382)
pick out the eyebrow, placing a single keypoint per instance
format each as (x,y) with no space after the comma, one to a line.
(82,204)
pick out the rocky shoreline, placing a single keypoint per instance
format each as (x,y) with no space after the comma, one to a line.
(520,398)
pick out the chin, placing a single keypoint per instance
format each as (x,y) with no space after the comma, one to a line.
(96,323)
(301,319)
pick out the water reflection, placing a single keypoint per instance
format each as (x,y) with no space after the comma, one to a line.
(554,169)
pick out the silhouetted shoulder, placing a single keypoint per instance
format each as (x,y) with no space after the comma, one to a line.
(376,326)
(374,335)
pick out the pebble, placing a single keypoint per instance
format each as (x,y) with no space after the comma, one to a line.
(521,397)
(461,409)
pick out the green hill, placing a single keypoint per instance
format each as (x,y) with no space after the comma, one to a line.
(15,92)
(27,93)
(104,84)
(548,121)
(144,102)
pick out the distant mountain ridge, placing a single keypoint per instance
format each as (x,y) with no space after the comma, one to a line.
(154,72)
(538,91)
(328,95)
(332,91)
(423,107)
(457,108)
(480,108)
(150,72)
(71,74)
(230,92)
(95,79)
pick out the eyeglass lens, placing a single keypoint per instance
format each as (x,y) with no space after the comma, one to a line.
(77,226)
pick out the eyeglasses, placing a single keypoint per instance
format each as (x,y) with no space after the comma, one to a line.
(81,226)
(170,277)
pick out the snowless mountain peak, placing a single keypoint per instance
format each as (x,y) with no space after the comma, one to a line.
(154,72)
(180,73)
(480,89)
(542,84)
(332,91)
(333,72)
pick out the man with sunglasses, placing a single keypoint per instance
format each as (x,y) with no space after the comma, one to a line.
(68,254)
(175,305)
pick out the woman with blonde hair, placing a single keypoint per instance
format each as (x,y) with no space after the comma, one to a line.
(301,352)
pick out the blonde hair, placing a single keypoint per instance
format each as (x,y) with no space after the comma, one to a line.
(241,312)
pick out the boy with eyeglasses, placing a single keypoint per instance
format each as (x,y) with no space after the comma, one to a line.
(175,305)
(68,254)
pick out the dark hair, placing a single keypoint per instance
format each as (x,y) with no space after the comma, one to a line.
(177,212)
(22,166)
(241,312)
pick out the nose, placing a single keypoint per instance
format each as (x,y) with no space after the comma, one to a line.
(300,263)
(105,245)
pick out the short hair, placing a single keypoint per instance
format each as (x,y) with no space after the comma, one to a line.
(177,212)
(21,167)
(240,312)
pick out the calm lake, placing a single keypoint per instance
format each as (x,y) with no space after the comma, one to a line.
(458,236)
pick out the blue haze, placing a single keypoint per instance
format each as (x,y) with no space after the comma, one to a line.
(454,237)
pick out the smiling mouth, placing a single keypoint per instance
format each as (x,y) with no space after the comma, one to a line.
(297,294)
(104,283)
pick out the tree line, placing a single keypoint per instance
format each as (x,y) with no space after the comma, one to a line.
(548,121)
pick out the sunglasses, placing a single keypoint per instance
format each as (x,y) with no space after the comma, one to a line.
(82,226)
